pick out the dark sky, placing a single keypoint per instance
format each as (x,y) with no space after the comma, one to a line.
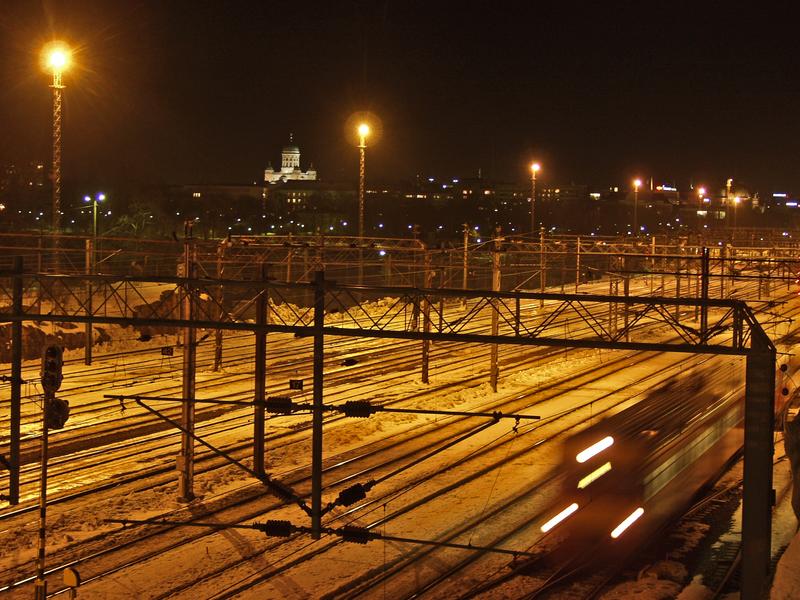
(172,91)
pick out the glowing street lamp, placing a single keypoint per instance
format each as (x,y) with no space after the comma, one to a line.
(57,58)
(97,198)
(637,183)
(736,202)
(535,168)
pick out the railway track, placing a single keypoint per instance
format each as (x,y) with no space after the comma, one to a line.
(381,461)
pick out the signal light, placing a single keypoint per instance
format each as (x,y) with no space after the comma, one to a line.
(56,413)
(52,363)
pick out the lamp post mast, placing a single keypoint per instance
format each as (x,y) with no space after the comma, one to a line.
(57,86)
(534,170)
(57,57)
(363,132)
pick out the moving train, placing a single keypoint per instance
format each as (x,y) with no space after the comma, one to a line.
(630,470)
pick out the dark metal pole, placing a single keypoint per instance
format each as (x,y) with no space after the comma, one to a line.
(494,370)
(626,290)
(41,582)
(704,281)
(533,201)
(758,452)
(316,425)
(88,330)
(16,385)
(465,262)
(426,319)
(542,266)
(260,387)
(220,300)
(186,458)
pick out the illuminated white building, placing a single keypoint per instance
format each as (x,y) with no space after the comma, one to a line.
(290,167)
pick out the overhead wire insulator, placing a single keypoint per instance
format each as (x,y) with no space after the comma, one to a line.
(358,535)
(274,528)
(280,405)
(358,408)
(354,493)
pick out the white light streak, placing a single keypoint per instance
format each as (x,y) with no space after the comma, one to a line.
(627,522)
(559,517)
(594,449)
(594,475)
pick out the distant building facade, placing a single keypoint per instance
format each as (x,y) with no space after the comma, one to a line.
(290,167)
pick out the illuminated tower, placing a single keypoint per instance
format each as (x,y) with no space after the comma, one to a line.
(290,157)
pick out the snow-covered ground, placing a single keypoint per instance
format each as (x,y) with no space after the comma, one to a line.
(521,456)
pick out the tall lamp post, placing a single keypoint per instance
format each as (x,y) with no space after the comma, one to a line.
(701,194)
(363,132)
(97,198)
(637,183)
(57,60)
(535,167)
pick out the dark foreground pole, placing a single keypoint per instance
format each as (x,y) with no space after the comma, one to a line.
(758,450)
(186,458)
(260,384)
(16,386)
(316,425)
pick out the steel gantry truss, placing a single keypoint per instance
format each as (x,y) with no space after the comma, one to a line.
(263,306)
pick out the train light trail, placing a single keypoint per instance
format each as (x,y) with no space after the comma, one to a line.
(594,475)
(594,449)
(619,529)
(559,517)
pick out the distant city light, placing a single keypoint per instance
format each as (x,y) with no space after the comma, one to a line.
(779,195)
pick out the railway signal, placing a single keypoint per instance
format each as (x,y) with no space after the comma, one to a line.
(56,413)
(52,364)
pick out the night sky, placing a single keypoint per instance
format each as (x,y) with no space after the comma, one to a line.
(179,92)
